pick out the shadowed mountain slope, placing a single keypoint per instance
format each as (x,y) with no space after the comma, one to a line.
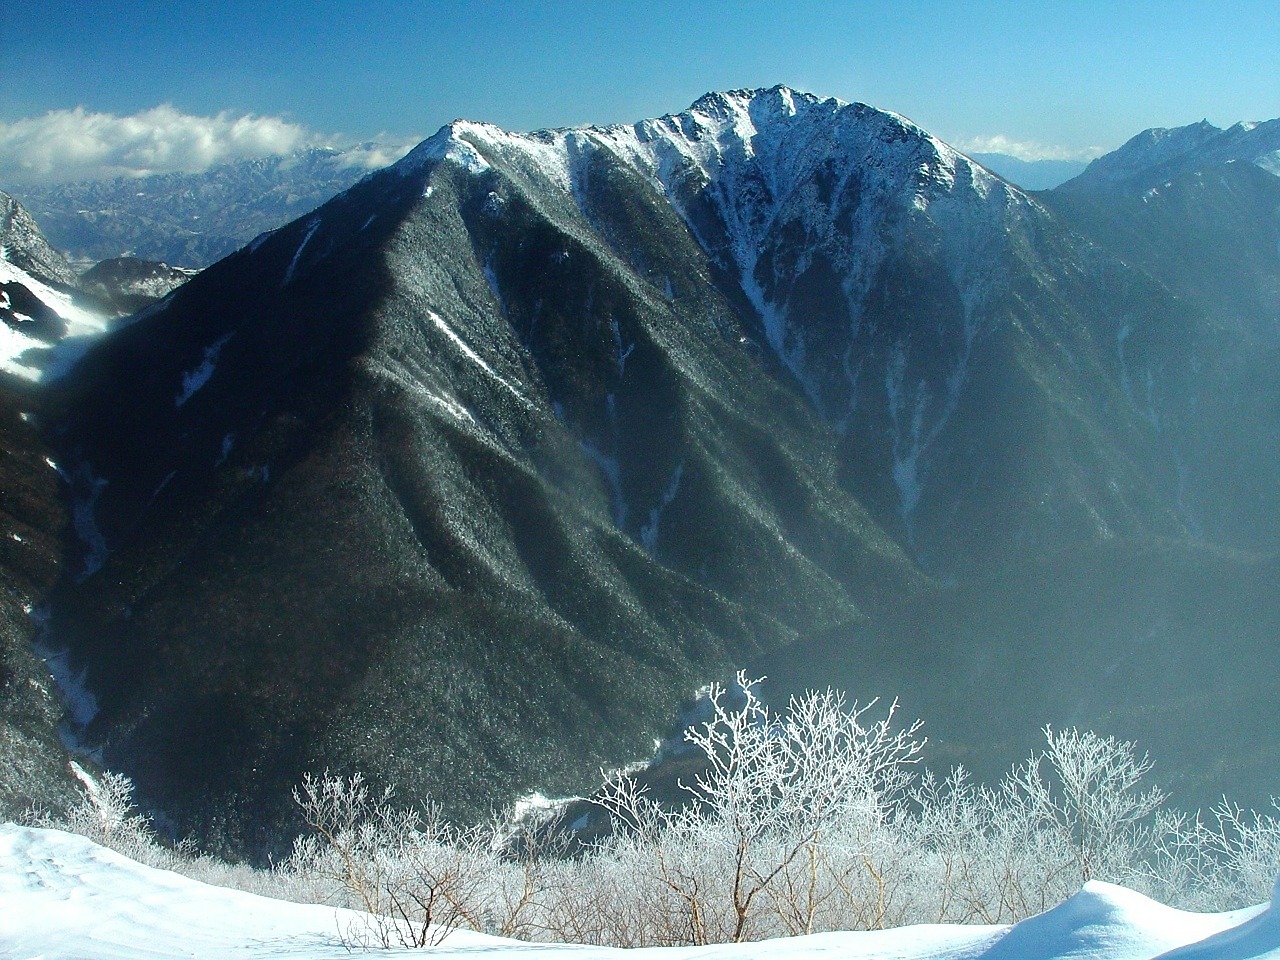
(34,522)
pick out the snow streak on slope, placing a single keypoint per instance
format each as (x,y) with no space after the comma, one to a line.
(474,357)
(65,898)
(312,226)
(197,377)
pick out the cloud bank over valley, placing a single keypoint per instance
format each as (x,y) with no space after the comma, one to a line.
(79,144)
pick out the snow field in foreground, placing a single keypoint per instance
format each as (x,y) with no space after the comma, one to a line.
(63,897)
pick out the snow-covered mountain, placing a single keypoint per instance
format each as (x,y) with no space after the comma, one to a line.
(193,219)
(48,314)
(25,247)
(471,474)
(1161,154)
(127,284)
(810,206)
(45,321)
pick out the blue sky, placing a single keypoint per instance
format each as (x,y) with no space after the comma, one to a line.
(1058,78)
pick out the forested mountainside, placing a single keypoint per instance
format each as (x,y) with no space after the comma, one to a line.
(476,472)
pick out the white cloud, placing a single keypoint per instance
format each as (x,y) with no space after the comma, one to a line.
(78,144)
(376,154)
(1025,149)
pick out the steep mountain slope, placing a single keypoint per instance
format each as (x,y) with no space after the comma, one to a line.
(1176,633)
(406,465)
(887,273)
(33,762)
(35,320)
(471,474)
(25,247)
(1206,225)
(192,219)
(43,328)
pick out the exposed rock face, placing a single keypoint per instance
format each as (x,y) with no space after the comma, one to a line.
(23,245)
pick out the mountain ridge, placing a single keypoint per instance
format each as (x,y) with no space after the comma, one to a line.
(1160,154)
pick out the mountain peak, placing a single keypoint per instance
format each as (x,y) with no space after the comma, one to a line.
(447,143)
(774,125)
(543,428)
(779,97)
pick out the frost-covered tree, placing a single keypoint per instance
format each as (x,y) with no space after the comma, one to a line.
(415,876)
(774,784)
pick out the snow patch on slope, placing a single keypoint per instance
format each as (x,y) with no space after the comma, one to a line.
(81,704)
(194,379)
(474,357)
(611,469)
(34,359)
(649,532)
(312,226)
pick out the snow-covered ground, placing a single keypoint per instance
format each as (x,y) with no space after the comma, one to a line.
(34,359)
(61,896)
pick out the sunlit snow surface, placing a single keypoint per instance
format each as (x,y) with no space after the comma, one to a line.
(33,359)
(61,896)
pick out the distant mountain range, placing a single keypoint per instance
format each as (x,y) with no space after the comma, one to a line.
(1158,156)
(1031,174)
(470,476)
(192,219)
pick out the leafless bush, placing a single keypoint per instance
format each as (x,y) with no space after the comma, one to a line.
(1075,811)
(777,789)
(415,876)
(106,815)
(1226,859)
